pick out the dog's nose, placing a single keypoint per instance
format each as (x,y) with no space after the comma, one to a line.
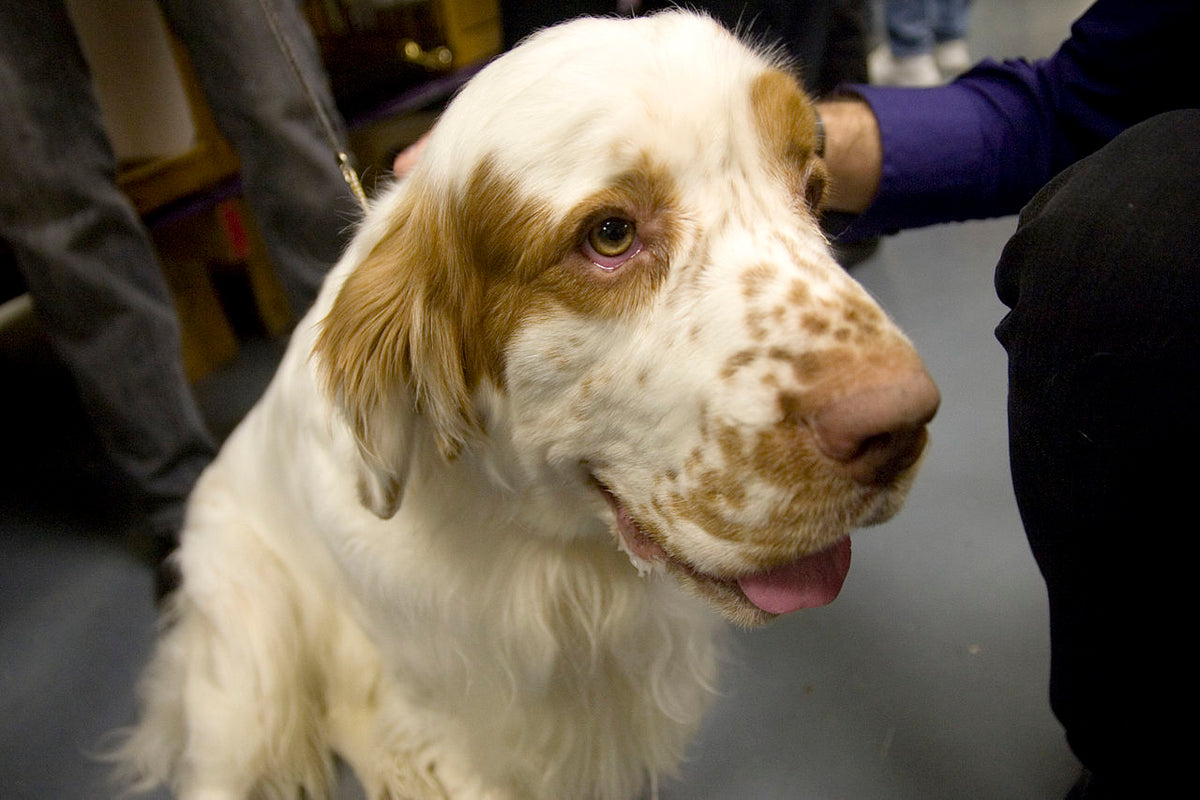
(878,430)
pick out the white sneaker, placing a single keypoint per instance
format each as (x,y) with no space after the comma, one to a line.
(952,57)
(915,71)
(879,65)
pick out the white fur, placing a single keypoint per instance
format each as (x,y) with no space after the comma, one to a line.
(490,640)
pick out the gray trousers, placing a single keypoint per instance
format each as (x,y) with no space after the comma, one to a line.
(84,253)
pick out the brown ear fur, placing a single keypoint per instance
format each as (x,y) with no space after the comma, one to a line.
(787,124)
(393,344)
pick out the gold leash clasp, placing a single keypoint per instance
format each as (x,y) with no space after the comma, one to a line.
(351,178)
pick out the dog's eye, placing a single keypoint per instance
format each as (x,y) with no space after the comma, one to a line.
(611,241)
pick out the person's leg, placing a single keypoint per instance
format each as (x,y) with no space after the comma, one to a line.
(951,19)
(908,59)
(846,47)
(1103,279)
(89,264)
(289,170)
(909,27)
(950,22)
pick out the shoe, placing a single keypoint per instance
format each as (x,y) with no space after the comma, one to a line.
(886,69)
(916,71)
(952,57)
(879,65)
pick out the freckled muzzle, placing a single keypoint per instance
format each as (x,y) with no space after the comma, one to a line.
(749,598)
(758,519)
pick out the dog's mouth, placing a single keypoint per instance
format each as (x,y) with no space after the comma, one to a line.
(754,597)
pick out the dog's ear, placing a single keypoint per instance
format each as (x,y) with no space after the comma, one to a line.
(816,184)
(787,122)
(392,348)
(384,438)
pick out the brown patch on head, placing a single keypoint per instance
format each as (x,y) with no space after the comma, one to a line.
(709,504)
(785,455)
(736,362)
(780,455)
(756,325)
(799,294)
(815,324)
(863,319)
(646,195)
(433,307)
(810,365)
(860,312)
(788,128)
(756,279)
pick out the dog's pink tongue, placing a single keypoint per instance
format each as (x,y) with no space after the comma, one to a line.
(810,582)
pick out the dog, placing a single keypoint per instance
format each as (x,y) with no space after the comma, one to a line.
(585,385)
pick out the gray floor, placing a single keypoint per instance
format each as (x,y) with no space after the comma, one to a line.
(925,680)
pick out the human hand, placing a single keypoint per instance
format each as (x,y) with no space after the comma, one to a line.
(406,160)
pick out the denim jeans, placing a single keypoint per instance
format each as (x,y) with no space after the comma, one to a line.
(915,26)
(81,247)
(1103,281)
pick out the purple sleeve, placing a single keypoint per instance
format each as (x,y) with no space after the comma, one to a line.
(983,145)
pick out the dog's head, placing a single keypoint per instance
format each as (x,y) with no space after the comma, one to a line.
(609,256)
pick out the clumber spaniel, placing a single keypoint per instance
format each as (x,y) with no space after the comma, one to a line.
(587,375)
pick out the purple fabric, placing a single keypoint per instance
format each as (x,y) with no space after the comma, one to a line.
(983,145)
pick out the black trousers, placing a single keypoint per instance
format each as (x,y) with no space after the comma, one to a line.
(1103,281)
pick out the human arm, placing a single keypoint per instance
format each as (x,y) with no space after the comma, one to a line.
(852,154)
(983,145)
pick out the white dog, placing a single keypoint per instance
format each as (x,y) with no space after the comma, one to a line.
(587,375)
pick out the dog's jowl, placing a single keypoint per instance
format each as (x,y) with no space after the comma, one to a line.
(584,384)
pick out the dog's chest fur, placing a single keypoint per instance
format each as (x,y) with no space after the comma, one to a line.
(461,635)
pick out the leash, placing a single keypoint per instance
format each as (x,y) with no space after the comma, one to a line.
(285,47)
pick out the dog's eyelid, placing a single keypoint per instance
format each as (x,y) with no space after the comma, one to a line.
(595,216)
(610,215)
(611,262)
